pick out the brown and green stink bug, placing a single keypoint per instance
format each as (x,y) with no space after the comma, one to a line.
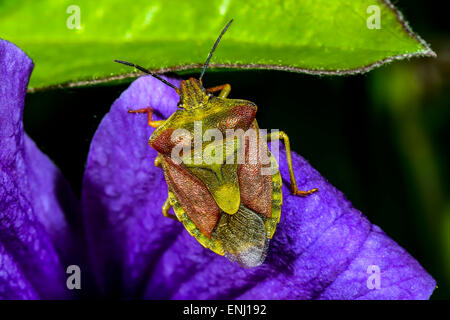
(231,208)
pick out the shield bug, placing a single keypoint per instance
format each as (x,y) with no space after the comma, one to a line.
(230,207)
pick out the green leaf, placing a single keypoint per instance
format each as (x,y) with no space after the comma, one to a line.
(312,36)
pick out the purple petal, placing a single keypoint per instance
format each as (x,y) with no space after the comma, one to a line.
(123,193)
(13,283)
(322,249)
(34,234)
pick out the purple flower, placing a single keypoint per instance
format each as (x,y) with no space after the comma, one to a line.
(36,241)
(323,247)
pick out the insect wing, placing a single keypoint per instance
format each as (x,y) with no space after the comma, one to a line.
(193,196)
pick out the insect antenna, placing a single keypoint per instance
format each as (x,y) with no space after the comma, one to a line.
(214,48)
(148,72)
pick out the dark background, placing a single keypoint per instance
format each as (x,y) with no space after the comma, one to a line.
(381,138)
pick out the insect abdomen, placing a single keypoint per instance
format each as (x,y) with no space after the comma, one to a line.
(242,237)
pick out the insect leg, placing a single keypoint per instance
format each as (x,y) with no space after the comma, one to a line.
(165,210)
(281,135)
(224,90)
(149,112)
(158,162)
